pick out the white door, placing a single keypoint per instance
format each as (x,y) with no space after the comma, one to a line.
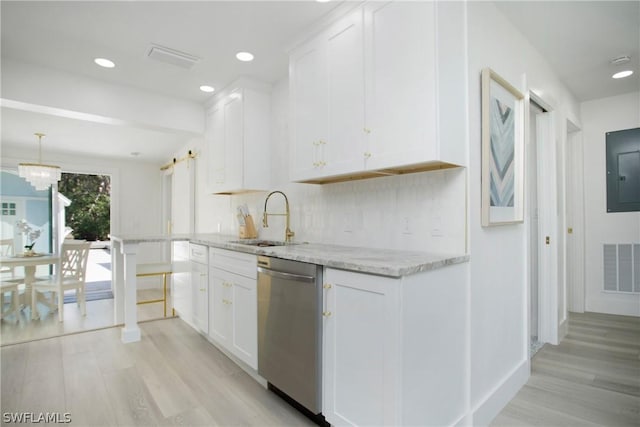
(575,223)
(532,219)
(547,227)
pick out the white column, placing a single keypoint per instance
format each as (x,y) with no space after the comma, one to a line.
(117,261)
(131,331)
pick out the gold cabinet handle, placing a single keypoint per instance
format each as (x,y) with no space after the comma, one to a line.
(326,313)
(367,130)
(367,155)
(547,240)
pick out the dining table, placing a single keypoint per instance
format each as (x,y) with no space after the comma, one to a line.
(29,262)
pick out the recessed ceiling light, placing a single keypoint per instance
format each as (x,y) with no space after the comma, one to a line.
(103,62)
(622,74)
(244,56)
(323,1)
(206,88)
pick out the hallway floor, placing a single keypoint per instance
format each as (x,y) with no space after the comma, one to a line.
(591,378)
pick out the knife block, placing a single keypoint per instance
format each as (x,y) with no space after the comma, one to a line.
(248,230)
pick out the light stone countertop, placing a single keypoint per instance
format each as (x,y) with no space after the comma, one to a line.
(383,262)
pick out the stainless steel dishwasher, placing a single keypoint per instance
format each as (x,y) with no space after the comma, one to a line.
(290,329)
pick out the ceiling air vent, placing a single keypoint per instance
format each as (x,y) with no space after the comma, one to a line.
(172,56)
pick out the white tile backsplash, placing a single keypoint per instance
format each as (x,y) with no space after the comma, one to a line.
(423,211)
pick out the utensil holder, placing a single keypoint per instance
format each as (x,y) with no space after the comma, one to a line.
(248,230)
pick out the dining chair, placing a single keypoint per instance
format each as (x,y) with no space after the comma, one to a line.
(6,250)
(14,306)
(70,273)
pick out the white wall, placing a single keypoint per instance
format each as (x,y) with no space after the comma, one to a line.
(498,266)
(601,116)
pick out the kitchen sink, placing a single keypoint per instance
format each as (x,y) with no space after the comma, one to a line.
(261,243)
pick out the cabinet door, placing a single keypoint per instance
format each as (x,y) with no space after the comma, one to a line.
(183,296)
(344,151)
(219,306)
(308,86)
(200,285)
(245,320)
(181,289)
(216,147)
(400,82)
(358,342)
(233,141)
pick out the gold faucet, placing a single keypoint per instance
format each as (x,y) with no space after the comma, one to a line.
(288,234)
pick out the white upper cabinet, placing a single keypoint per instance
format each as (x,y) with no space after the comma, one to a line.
(380,91)
(308,85)
(401,111)
(327,87)
(345,66)
(238,139)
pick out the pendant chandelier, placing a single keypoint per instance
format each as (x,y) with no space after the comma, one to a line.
(39,175)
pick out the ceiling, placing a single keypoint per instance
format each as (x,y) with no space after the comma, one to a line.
(577,38)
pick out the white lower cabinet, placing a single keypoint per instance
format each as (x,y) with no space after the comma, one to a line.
(181,288)
(233,304)
(200,291)
(395,350)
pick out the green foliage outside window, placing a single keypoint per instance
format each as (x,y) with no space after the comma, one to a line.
(89,212)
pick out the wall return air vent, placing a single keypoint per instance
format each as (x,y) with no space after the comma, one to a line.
(172,56)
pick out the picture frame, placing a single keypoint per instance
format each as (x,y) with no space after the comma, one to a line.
(502,151)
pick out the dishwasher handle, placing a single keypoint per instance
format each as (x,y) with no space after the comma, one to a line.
(287,276)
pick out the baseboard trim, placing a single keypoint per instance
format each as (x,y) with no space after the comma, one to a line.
(563,330)
(483,412)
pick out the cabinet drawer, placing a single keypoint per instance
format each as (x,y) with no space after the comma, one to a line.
(234,262)
(198,253)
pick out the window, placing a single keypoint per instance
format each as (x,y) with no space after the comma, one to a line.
(8,209)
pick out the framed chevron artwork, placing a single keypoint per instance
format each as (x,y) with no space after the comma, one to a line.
(502,151)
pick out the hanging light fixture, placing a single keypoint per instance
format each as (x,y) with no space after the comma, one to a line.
(39,175)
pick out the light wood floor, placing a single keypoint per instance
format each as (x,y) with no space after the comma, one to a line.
(173,376)
(20,328)
(591,378)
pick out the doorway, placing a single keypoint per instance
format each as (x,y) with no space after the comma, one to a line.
(87,216)
(532,178)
